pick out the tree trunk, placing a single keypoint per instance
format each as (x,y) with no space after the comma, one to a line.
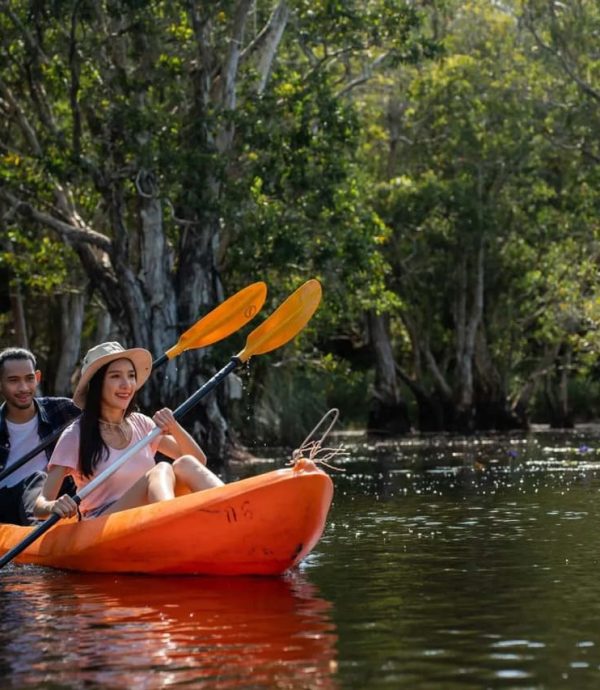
(269,40)
(387,413)
(431,409)
(492,407)
(72,306)
(18,312)
(522,400)
(467,324)
(436,411)
(556,392)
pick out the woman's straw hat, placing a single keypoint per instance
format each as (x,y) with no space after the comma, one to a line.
(104,353)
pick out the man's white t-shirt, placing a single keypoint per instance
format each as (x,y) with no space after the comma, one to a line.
(23,438)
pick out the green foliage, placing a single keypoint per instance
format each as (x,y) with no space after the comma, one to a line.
(40,265)
(308,211)
(345,389)
(362,28)
(391,142)
(479,163)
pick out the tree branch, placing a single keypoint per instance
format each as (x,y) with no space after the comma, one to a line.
(267,42)
(72,233)
(560,56)
(230,68)
(367,74)
(24,124)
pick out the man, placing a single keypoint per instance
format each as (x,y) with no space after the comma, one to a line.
(25,421)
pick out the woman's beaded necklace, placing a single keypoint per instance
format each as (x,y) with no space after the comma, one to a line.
(118,433)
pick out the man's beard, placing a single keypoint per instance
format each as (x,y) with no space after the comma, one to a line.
(23,405)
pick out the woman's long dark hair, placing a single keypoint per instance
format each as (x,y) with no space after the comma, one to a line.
(92,448)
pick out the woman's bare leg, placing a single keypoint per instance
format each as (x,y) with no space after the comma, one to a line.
(194,474)
(158,484)
(161,482)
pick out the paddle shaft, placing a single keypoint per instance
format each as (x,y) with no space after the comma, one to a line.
(186,406)
(160,360)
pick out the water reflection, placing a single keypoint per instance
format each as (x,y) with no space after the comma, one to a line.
(467,564)
(73,630)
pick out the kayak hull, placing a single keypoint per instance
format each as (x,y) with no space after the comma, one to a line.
(262,525)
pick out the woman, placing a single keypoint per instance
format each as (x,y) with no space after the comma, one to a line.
(110,377)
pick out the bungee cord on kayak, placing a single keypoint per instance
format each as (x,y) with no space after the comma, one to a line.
(310,449)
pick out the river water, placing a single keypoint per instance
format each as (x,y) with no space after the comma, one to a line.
(447,563)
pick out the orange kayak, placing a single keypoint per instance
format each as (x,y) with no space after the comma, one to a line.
(262,525)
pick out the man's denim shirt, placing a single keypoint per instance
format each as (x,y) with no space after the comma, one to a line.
(53,413)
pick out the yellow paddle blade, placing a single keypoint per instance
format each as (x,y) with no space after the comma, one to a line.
(285,322)
(222,321)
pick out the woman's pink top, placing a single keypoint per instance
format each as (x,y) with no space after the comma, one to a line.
(66,454)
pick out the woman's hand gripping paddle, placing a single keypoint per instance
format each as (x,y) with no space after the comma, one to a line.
(279,328)
(221,322)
